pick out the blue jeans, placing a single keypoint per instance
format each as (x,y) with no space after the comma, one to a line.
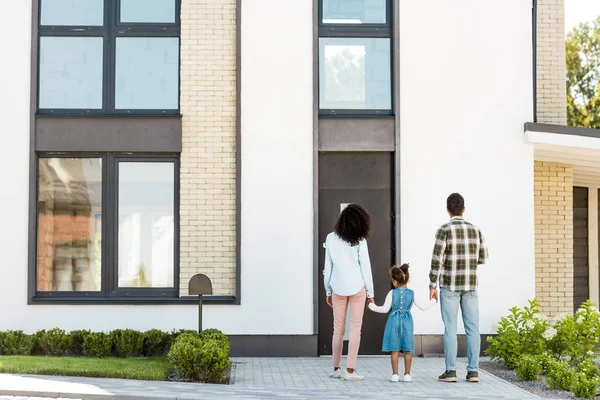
(469,306)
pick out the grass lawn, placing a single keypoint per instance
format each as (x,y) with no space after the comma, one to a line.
(155,369)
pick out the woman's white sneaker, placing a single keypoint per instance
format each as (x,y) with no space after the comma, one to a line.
(407,378)
(337,374)
(395,378)
(354,376)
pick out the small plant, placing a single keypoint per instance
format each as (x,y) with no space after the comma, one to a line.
(520,333)
(560,376)
(589,368)
(97,344)
(214,334)
(127,342)
(577,335)
(16,343)
(529,368)
(585,387)
(198,359)
(37,350)
(55,342)
(156,343)
(77,340)
(545,361)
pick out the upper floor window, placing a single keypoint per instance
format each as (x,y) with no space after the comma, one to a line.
(99,57)
(355,62)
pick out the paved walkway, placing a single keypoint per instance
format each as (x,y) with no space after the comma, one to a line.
(267,378)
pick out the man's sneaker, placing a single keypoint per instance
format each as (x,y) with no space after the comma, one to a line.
(448,376)
(395,378)
(407,378)
(354,376)
(472,376)
(337,374)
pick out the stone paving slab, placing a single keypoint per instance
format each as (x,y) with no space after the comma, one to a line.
(268,378)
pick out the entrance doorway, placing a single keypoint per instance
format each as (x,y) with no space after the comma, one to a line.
(365,179)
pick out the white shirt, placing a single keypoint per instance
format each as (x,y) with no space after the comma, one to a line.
(387,305)
(347,268)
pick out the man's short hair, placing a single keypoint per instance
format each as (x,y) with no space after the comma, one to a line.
(455,204)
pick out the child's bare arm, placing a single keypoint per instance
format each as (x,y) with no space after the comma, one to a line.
(387,305)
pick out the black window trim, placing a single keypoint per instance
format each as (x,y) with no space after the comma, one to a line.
(368,31)
(109,287)
(110,31)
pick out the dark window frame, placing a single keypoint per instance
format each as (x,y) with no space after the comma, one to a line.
(112,29)
(362,31)
(109,266)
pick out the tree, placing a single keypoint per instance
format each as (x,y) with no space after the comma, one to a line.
(583,75)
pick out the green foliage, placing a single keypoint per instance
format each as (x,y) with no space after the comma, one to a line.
(214,334)
(589,368)
(97,344)
(77,340)
(16,343)
(37,350)
(156,343)
(560,376)
(583,75)
(198,358)
(529,368)
(127,342)
(577,335)
(545,361)
(55,342)
(585,387)
(520,333)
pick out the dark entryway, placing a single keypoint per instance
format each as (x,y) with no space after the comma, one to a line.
(366,179)
(581,273)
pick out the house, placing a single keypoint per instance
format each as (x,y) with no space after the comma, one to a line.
(146,142)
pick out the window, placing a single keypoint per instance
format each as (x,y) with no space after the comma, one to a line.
(355,63)
(115,57)
(107,226)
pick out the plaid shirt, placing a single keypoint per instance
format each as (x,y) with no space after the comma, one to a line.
(459,249)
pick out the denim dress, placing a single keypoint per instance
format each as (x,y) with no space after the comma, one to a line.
(399,329)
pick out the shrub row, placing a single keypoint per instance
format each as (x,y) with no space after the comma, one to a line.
(563,349)
(118,343)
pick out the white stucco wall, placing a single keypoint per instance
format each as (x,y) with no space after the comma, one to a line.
(466,91)
(276,187)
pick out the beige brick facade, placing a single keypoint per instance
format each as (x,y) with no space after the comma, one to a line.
(554,236)
(208,159)
(551,70)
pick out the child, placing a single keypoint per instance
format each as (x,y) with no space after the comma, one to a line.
(398,336)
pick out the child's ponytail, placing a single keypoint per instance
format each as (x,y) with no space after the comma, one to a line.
(400,274)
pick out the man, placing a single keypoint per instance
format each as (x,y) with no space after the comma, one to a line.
(459,249)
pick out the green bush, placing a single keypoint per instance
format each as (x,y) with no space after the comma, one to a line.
(127,342)
(560,376)
(200,359)
(589,368)
(577,335)
(520,333)
(585,387)
(16,343)
(545,360)
(214,334)
(77,340)
(37,350)
(156,343)
(55,342)
(529,368)
(97,344)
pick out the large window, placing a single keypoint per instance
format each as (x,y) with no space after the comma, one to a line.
(106,226)
(355,60)
(99,57)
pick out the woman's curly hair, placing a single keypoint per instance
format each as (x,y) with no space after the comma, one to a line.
(354,224)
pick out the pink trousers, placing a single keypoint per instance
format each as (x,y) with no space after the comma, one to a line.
(357,309)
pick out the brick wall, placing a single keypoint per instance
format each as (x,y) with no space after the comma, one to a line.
(208,169)
(554,236)
(551,70)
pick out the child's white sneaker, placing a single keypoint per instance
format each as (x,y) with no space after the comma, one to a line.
(354,376)
(395,378)
(407,378)
(337,374)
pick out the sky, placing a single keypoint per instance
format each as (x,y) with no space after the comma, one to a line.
(577,11)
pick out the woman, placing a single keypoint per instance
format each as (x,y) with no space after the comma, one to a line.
(348,281)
